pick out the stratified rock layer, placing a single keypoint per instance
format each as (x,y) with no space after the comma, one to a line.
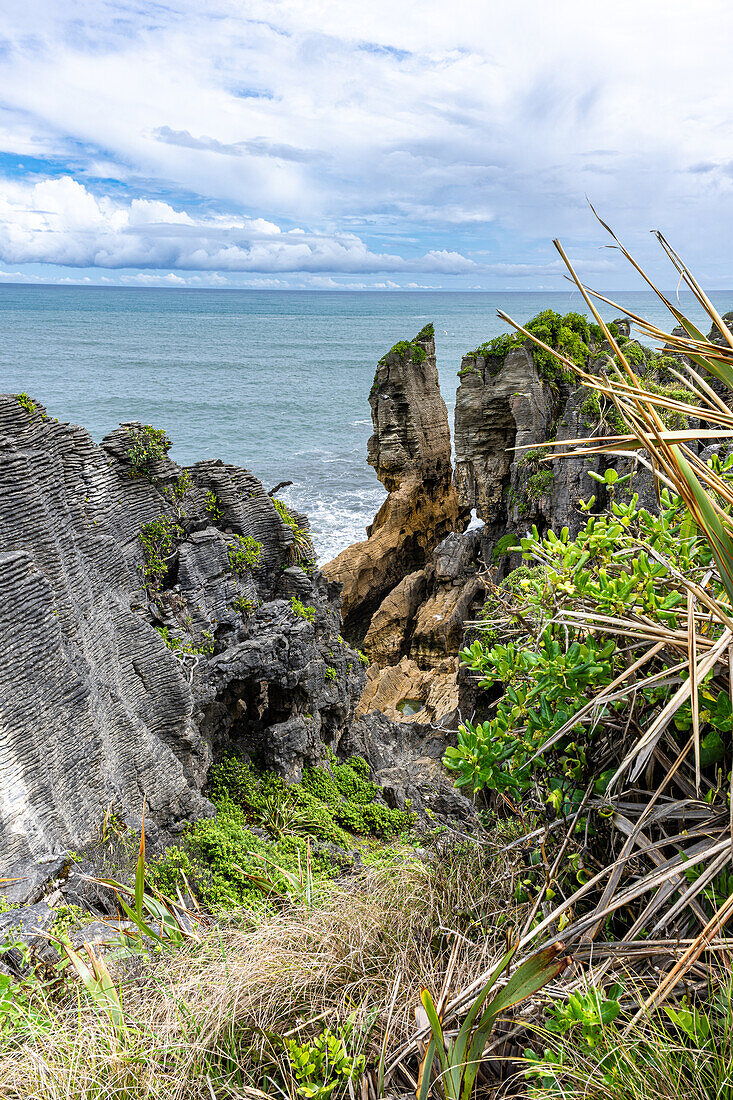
(411,453)
(96,712)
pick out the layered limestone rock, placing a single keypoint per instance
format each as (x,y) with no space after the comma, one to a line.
(505,410)
(115,688)
(411,453)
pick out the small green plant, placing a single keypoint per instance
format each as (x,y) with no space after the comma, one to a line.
(26,403)
(301,610)
(154,916)
(324,1065)
(460,1058)
(213,506)
(177,493)
(302,547)
(409,349)
(569,335)
(363,659)
(245,553)
(331,674)
(245,605)
(186,647)
(20,1015)
(159,539)
(589,1013)
(68,917)
(228,865)
(148,445)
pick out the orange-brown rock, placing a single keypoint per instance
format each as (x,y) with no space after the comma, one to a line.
(386,637)
(411,453)
(407,693)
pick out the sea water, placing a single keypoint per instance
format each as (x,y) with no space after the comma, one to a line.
(276,381)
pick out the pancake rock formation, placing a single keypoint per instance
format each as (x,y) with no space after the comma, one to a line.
(149,618)
(411,453)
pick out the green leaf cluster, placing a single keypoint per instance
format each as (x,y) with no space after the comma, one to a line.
(324,1065)
(245,553)
(301,610)
(229,864)
(158,540)
(617,565)
(26,403)
(147,445)
(569,334)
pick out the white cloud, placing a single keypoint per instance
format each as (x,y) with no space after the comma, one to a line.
(59,221)
(470,126)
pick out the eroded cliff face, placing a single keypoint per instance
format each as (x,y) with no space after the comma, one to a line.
(505,410)
(409,592)
(410,451)
(97,712)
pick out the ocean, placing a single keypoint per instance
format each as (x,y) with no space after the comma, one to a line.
(277,381)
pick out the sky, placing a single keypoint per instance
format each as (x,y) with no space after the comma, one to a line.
(374,144)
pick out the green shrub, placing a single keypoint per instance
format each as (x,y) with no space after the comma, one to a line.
(220,857)
(187,645)
(301,610)
(635,354)
(546,677)
(686,1053)
(158,539)
(579,324)
(331,674)
(410,349)
(148,445)
(568,334)
(213,506)
(324,1066)
(26,403)
(302,548)
(244,605)
(244,553)
(177,493)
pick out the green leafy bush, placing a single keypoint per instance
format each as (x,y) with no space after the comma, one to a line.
(245,553)
(324,1066)
(302,547)
(177,493)
(158,539)
(26,403)
(410,349)
(301,610)
(213,506)
(148,445)
(187,646)
(588,1013)
(229,865)
(546,677)
(568,334)
(245,605)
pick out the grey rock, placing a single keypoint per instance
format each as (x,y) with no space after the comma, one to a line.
(496,412)
(34,880)
(410,450)
(26,923)
(99,932)
(96,713)
(405,760)
(623,324)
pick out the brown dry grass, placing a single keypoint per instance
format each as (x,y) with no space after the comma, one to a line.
(204,1018)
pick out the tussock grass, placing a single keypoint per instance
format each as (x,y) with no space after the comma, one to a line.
(208,1017)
